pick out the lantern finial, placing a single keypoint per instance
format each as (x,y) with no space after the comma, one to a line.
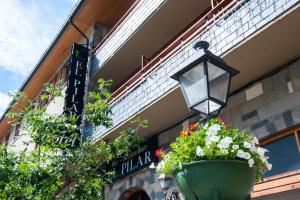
(201,45)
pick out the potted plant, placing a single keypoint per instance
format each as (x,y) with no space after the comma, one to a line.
(214,162)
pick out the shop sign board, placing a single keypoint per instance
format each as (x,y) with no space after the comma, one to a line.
(136,161)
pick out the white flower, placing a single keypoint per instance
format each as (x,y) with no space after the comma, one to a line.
(199,152)
(247,145)
(261,151)
(212,138)
(255,140)
(223,145)
(152,166)
(207,142)
(251,162)
(167,157)
(215,127)
(213,130)
(247,155)
(224,151)
(235,147)
(240,153)
(227,139)
(269,166)
(263,159)
(206,125)
(225,142)
(253,149)
(160,165)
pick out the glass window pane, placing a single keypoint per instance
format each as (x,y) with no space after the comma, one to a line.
(284,155)
(193,84)
(218,82)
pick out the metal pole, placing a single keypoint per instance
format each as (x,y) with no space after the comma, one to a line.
(76,27)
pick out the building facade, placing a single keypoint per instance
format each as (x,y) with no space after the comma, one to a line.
(140,44)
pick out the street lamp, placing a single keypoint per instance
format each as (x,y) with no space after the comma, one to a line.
(204,80)
(165,184)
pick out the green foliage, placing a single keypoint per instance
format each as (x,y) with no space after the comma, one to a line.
(98,108)
(214,141)
(56,169)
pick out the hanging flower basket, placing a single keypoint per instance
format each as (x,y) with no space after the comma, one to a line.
(216,180)
(215,162)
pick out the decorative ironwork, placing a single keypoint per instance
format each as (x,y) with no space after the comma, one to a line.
(173,196)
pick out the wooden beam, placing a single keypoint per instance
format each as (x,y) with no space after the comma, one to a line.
(280,134)
(280,183)
(297,140)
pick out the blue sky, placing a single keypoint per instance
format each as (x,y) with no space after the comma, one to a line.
(27,29)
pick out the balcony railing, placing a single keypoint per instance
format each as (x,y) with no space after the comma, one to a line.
(133,19)
(223,27)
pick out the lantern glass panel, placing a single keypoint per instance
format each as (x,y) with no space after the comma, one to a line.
(218,82)
(162,184)
(194,85)
(207,106)
(165,183)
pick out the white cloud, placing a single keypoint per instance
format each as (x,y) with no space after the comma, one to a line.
(27,28)
(4,101)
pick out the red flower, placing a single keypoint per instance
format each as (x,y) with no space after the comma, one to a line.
(221,120)
(193,126)
(184,133)
(159,153)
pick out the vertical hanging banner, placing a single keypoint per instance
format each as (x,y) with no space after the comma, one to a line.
(76,86)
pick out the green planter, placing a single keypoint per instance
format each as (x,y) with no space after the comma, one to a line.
(216,180)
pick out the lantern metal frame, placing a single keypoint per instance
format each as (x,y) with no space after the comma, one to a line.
(205,56)
(165,180)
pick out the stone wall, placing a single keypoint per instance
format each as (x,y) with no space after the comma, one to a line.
(145,179)
(272,104)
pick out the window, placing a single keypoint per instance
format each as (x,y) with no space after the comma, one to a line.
(284,151)
(17,131)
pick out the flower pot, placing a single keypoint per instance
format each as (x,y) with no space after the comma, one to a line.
(216,180)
